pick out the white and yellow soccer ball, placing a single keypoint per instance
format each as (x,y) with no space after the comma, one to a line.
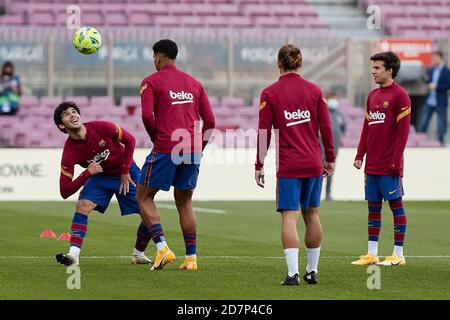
(87,40)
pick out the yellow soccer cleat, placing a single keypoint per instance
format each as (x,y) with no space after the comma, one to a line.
(189,264)
(393,261)
(366,260)
(162,258)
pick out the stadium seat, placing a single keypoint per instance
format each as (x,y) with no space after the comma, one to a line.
(416,12)
(29,101)
(218,1)
(316,23)
(239,22)
(214,101)
(166,21)
(304,11)
(253,10)
(50,102)
(154,9)
(227,9)
(81,101)
(215,21)
(190,21)
(130,101)
(41,18)
(389,12)
(203,9)
(282,11)
(102,101)
(440,12)
(292,22)
(92,18)
(266,22)
(232,102)
(407,2)
(12,19)
(429,24)
(115,18)
(179,9)
(140,19)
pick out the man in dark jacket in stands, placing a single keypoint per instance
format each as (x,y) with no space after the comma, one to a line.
(438,79)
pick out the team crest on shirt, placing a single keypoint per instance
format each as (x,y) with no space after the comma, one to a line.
(102,143)
(386,104)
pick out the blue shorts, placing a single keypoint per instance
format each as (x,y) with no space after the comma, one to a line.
(293,193)
(161,171)
(100,189)
(383,187)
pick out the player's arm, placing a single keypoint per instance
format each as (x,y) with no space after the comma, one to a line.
(127,139)
(362,145)
(326,132)
(207,116)
(265,124)
(67,185)
(403,112)
(148,109)
(129,142)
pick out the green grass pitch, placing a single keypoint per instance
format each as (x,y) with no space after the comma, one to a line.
(240,254)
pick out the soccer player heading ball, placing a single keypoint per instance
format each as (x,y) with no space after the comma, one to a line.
(106,151)
(297,110)
(173,103)
(383,141)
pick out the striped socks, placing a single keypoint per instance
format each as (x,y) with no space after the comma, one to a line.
(142,238)
(399,225)
(374,226)
(78,232)
(156,233)
(190,241)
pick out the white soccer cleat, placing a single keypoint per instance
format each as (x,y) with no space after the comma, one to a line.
(140,259)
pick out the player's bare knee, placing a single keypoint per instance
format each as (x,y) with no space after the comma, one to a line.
(183,198)
(85,206)
(145,194)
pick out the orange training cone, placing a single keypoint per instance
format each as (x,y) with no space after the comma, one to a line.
(64,236)
(49,234)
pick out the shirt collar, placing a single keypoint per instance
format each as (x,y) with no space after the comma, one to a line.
(389,86)
(169,67)
(289,75)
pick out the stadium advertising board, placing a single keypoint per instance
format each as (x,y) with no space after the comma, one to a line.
(409,49)
(23,53)
(33,174)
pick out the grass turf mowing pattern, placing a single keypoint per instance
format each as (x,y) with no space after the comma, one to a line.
(247,229)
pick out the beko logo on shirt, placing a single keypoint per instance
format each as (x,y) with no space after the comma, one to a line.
(303,116)
(185,97)
(376,117)
(100,157)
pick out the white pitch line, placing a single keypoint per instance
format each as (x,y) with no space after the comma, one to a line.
(215,257)
(208,210)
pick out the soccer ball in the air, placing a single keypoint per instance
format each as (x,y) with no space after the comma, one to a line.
(87,40)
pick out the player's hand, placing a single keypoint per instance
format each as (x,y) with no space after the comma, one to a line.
(259,177)
(94,168)
(432,87)
(125,181)
(328,169)
(358,164)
